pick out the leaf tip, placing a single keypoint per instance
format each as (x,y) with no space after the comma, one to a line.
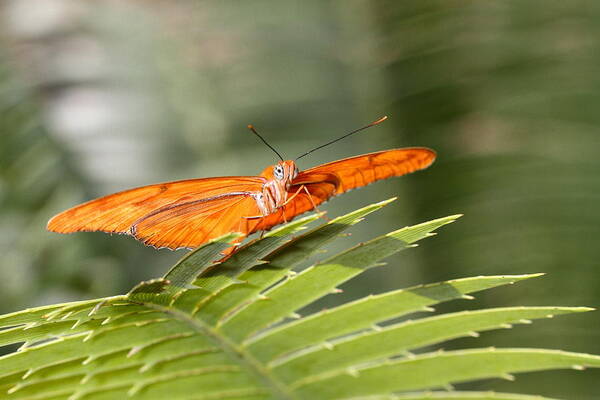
(386,202)
(133,351)
(135,389)
(28,373)
(583,309)
(14,388)
(97,307)
(534,275)
(328,345)
(146,367)
(508,377)
(88,337)
(87,360)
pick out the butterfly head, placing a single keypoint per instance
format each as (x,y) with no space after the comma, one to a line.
(283,172)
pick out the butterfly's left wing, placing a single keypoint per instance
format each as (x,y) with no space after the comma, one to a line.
(194,223)
(334,178)
(176,214)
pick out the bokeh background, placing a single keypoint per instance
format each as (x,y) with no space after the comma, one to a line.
(103,95)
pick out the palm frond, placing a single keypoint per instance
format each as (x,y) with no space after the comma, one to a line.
(228,329)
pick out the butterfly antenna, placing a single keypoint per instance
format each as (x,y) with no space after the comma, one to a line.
(251,127)
(380,120)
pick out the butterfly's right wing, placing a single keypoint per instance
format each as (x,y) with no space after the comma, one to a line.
(354,172)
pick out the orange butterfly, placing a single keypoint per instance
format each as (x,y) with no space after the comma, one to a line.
(189,213)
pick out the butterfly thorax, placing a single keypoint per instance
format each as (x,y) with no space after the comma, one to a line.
(278,180)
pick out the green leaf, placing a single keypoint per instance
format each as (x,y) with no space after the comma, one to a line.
(33,315)
(433,370)
(218,329)
(455,395)
(356,349)
(363,313)
(317,281)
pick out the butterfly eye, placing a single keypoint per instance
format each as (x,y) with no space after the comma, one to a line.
(278,172)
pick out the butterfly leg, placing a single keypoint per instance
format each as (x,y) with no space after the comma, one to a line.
(313,203)
(287,201)
(294,195)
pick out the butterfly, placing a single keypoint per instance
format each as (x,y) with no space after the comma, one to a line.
(189,213)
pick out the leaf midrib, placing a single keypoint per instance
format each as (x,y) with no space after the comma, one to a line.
(243,357)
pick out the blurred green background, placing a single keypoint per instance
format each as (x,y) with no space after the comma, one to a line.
(101,96)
